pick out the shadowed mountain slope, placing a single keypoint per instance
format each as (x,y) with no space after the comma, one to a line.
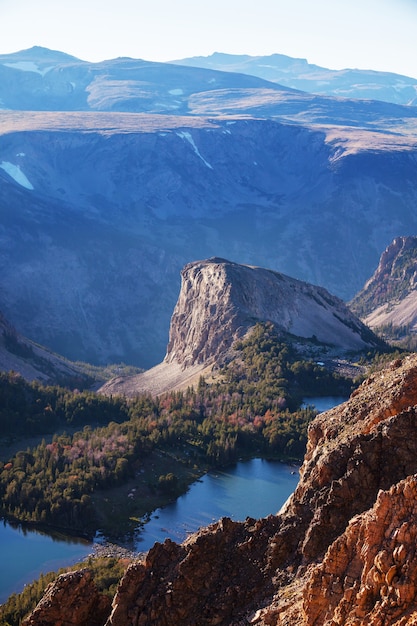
(123,171)
(34,362)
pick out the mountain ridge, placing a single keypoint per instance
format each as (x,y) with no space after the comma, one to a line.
(102,208)
(297,73)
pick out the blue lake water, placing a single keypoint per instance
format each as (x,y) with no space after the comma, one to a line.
(254,488)
(249,489)
(26,554)
(324,403)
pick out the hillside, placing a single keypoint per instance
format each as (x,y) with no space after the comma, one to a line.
(221,301)
(341,551)
(34,362)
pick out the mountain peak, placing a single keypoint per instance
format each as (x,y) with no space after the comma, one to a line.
(221,300)
(39,54)
(389,296)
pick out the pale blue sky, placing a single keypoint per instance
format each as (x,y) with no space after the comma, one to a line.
(366,34)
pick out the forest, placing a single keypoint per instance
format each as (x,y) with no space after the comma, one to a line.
(253,409)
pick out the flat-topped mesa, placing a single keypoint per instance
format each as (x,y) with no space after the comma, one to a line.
(220,300)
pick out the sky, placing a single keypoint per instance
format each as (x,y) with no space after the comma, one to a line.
(337,34)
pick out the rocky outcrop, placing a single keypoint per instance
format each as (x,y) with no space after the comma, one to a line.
(72,600)
(369,574)
(220,301)
(388,299)
(342,551)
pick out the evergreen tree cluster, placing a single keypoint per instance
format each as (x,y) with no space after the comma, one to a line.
(254,408)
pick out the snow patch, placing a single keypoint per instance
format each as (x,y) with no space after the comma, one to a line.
(176,92)
(28,66)
(187,136)
(16,173)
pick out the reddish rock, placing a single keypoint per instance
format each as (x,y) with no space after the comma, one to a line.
(72,600)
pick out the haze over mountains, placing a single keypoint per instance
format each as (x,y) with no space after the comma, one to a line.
(115,175)
(298,74)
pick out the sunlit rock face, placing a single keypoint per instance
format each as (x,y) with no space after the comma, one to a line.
(219,301)
(388,299)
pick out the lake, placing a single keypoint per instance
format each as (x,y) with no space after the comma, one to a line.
(253,488)
(324,403)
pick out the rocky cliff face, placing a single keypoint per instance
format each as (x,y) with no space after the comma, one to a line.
(341,551)
(220,301)
(73,599)
(389,296)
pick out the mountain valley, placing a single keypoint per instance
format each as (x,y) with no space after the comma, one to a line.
(102,205)
(141,204)
(341,550)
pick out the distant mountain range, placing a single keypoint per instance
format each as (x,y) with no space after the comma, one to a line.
(115,175)
(298,74)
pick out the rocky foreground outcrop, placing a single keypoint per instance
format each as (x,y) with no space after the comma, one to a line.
(341,551)
(220,301)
